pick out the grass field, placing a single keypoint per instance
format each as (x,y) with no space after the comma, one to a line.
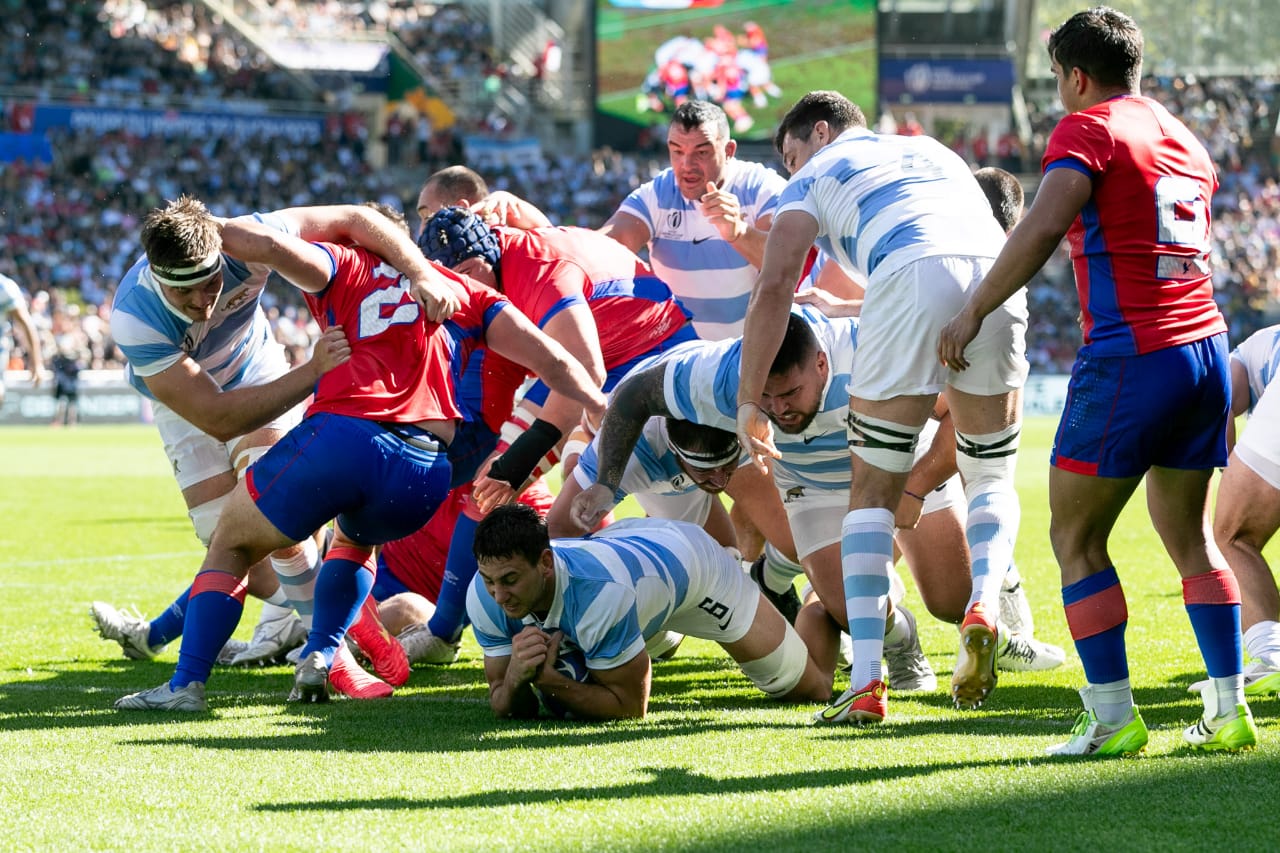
(93,513)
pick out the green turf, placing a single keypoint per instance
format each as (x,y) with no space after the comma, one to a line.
(93,513)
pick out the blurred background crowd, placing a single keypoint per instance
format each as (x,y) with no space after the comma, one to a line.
(69,222)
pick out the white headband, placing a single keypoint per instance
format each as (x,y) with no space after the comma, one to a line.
(707,460)
(192,275)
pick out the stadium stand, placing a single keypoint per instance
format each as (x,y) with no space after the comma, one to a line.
(68,226)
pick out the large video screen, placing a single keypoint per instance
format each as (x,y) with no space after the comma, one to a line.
(753,57)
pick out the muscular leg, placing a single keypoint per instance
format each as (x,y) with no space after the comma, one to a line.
(1247,515)
(771,650)
(880,461)
(936,554)
(1177,501)
(1083,512)
(243,537)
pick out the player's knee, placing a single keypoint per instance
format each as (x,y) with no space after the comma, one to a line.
(778,673)
(407,608)
(204,518)
(883,444)
(987,461)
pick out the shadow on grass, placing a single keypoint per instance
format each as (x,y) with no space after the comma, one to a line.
(661,782)
(445,709)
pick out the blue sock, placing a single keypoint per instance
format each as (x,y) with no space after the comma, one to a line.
(1097,616)
(1213,604)
(459,568)
(167,627)
(213,611)
(341,588)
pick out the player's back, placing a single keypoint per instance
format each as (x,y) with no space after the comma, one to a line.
(1141,246)
(403,368)
(883,201)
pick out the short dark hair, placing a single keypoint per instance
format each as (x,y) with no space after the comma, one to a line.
(180,234)
(511,530)
(1101,42)
(700,438)
(455,182)
(835,109)
(692,115)
(1004,193)
(798,345)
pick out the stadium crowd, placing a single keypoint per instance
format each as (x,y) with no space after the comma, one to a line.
(80,209)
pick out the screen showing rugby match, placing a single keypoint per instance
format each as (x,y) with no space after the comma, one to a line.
(753,57)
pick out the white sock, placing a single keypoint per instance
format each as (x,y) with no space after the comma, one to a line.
(779,572)
(1112,701)
(297,576)
(866,559)
(1229,691)
(1011,579)
(895,629)
(1262,642)
(278,599)
(991,529)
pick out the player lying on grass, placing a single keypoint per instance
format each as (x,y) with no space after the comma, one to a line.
(595,602)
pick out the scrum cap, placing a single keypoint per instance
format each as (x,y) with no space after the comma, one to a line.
(455,234)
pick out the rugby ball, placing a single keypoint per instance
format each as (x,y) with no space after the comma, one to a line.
(572,664)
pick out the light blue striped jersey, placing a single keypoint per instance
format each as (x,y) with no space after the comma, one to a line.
(652,468)
(154,336)
(703,270)
(882,201)
(1260,356)
(701,385)
(613,590)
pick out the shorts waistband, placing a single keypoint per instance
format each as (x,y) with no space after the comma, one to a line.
(415,436)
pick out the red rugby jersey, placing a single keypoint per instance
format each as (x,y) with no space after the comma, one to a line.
(1140,247)
(402,368)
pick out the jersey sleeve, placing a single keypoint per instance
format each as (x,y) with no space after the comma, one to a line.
(548,287)
(642,204)
(1080,141)
(488,622)
(798,195)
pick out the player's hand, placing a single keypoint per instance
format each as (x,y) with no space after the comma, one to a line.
(722,209)
(590,506)
(755,434)
(331,350)
(954,337)
(529,650)
(503,208)
(548,668)
(437,296)
(489,493)
(828,303)
(37,377)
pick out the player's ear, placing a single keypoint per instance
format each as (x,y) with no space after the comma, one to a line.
(730,147)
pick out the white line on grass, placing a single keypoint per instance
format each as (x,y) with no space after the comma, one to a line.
(109,558)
